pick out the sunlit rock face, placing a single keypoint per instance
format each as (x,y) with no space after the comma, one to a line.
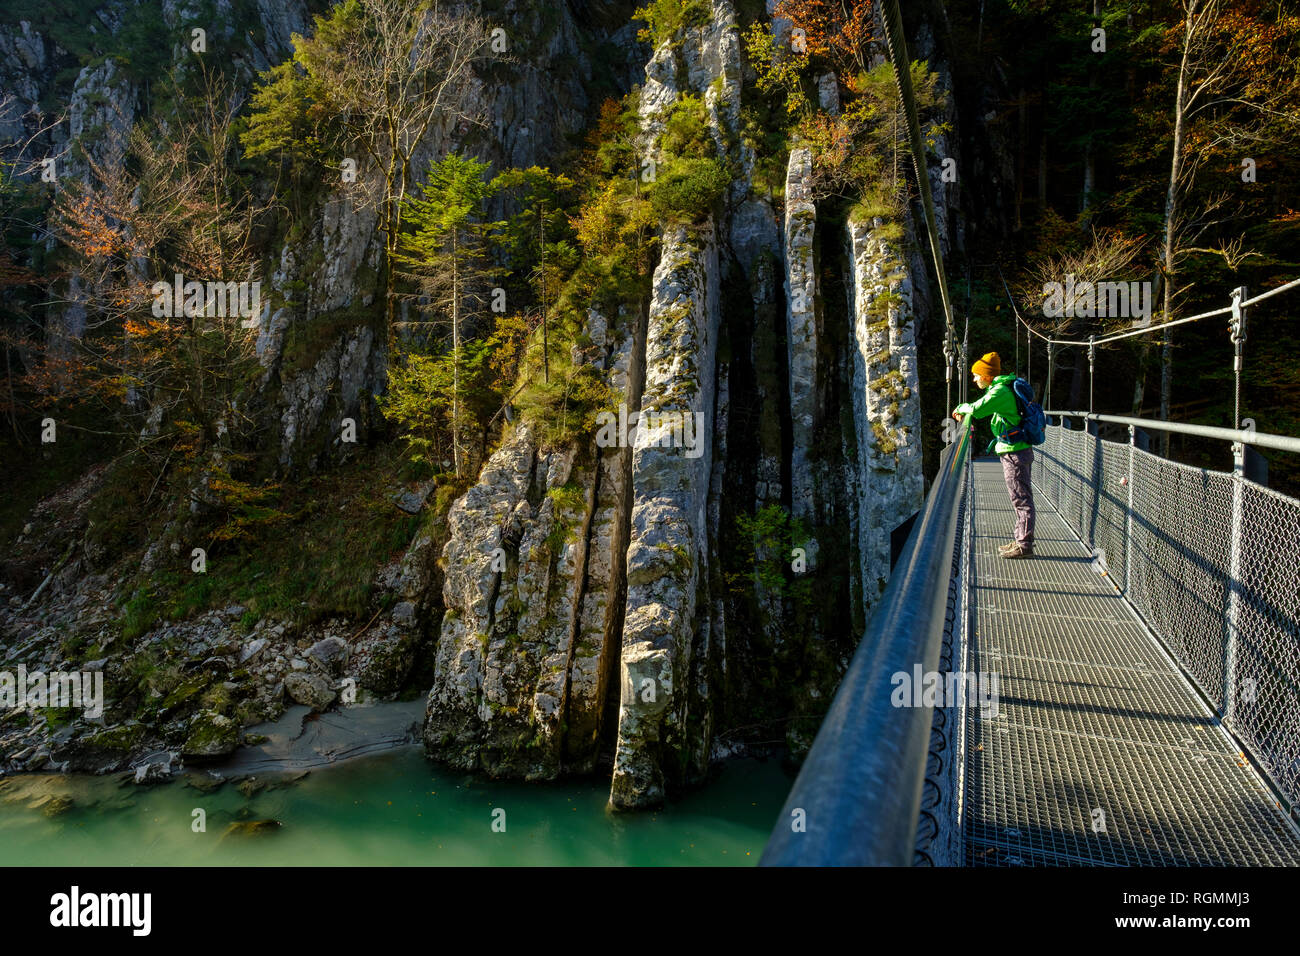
(588,607)
(886,398)
(622,645)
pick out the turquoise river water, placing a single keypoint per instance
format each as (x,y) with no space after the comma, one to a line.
(392,809)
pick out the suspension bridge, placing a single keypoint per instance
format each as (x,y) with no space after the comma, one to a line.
(1147,664)
(1136,683)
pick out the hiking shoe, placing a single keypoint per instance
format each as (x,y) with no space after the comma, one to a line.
(1004,548)
(1017,552)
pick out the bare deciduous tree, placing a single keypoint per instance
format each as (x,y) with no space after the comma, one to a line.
(390,74)
(1224,97)
(160,201)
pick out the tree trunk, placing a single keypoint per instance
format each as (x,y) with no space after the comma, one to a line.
(541,259)
(1166,388)
(1140,380)
(13,404)
(1042,167)
(1020,158)
(455,354)
(1076,381)
(388,209)
(1089,153)
(1171,224)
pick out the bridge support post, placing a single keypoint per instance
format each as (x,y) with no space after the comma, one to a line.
(1051,365)
(1128,516)
(1089,518)
(1231,629)
(1255,466)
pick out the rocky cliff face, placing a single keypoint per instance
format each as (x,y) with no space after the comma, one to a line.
(886,398)
(803,321)
(532,111)
(605,633)
(322,362)
(633,608)
(324,281)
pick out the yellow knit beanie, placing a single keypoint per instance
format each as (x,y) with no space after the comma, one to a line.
(990,366)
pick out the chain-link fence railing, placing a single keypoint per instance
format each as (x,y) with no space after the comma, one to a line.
(1211,562)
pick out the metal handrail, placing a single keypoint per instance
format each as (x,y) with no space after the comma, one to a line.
(857,799)
(1242,435)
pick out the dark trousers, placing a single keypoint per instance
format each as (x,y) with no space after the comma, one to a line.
(1016,466)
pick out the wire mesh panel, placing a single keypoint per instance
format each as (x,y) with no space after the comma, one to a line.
(1046,474)
(1173,561)
(1071,481)
(1110,521)
(1089,455)
(1064,465)
(1053,462)
(1267,701)
(1182,520)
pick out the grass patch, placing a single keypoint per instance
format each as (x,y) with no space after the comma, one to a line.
(139,614)
(58,716)
(569,500)
(318,563)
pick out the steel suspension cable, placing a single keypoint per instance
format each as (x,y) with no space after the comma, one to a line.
(1115,336)
(1015,332)
(1236,328)
(897,46)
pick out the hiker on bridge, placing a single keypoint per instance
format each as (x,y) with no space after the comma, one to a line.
(1009,443)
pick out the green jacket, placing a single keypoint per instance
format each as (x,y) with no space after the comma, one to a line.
(999,402)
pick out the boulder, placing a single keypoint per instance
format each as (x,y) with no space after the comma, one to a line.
(404,614)
(330,653)
(310,689)
(210,735)
(155,767)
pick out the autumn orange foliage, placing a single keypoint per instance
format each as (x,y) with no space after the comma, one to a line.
(839,30)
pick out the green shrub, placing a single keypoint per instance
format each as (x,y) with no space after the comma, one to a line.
(664,18)
(686,130)
(763,549)
(877,202)
(687,189)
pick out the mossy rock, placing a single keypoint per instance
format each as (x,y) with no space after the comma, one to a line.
(211,735)
(58,805)
(203,782)
(101,752)
(241,829)
(122,738)
(884,443)
(185,690)
(386,663)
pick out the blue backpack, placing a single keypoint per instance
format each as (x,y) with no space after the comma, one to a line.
(1033,423)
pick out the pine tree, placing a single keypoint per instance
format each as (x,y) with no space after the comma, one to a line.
(447,254)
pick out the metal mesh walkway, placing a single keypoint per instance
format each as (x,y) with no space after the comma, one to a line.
(1100,752)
